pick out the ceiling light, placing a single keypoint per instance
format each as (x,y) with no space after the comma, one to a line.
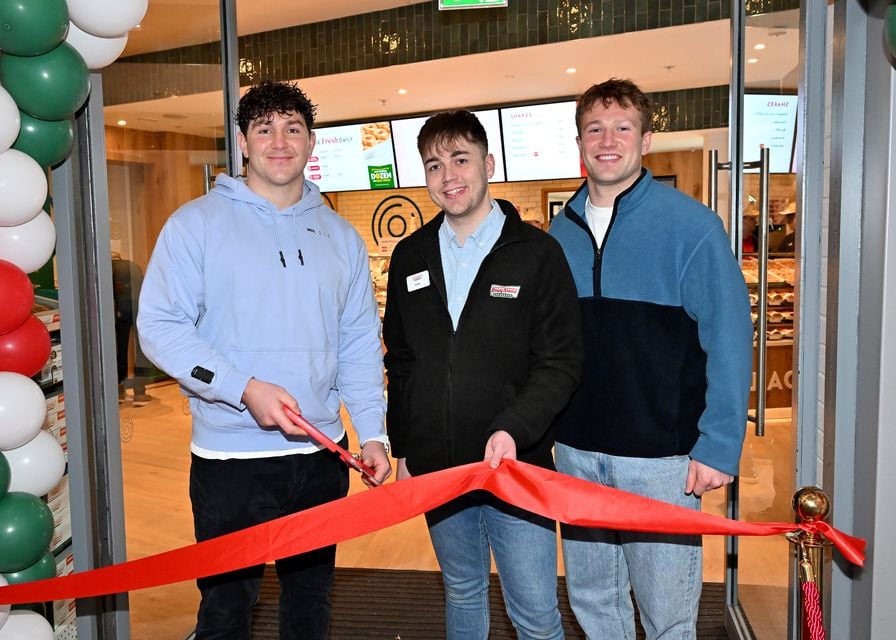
(121,123)
(752,60)
(571,69)
(759,46)
(401,92)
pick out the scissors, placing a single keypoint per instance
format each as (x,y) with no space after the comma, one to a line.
(351,459)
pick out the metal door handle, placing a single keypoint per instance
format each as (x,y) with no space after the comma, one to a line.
(735,231)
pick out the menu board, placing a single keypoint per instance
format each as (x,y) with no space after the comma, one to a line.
(410,166)
(770,122)
(353,157)
(540,141)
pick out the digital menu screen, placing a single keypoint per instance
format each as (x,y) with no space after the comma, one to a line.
(353,157)
(410,166)
(770,122)
(540,141)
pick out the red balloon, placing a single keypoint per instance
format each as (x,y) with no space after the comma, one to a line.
(17,294)
(25,350)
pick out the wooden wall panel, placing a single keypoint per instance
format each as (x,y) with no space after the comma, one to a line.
(172,171)
(686,166)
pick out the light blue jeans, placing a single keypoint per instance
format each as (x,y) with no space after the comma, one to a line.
(665,572)
(525,548)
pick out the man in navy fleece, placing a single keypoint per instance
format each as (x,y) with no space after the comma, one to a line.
(661,409)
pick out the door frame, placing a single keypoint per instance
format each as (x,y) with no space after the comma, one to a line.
(809,340)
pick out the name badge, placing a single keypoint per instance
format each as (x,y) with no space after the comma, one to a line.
(505,291)
(418,281)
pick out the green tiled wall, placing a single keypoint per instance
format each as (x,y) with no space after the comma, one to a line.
(417,33)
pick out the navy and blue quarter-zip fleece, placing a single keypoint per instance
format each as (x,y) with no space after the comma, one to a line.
(667,330)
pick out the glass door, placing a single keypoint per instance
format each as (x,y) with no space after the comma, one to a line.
(758,568)
(165,120)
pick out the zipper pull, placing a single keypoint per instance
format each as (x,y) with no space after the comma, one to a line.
(301,259)
(282,259)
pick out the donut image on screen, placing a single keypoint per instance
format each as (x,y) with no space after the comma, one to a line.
(373,133)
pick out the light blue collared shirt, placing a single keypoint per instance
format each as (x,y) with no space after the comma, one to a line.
(461,264)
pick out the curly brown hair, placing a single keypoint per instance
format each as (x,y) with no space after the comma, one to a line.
(269,97)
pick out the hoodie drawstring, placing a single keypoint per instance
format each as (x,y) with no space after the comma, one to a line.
(295,235)
(277,238)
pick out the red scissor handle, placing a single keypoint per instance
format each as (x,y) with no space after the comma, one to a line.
(328,444)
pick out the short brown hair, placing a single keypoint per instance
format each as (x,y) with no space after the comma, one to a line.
(625,93)
(448,126)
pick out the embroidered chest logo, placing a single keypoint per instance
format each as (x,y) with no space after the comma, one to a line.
(505,291)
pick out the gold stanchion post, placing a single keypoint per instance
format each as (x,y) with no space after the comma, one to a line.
(810,504)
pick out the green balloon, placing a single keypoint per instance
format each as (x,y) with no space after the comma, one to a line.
(51,86)
(26,529)
(32,28)
(4,475)
(47,141)
(40,570)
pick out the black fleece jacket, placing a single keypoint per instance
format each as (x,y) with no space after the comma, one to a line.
(511,365)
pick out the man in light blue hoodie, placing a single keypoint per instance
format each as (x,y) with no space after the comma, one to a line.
(259,296)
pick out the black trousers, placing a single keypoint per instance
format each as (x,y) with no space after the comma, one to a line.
(229,495)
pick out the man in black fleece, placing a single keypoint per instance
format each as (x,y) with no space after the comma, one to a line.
(484,348)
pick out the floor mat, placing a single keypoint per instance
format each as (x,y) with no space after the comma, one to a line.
(384,604)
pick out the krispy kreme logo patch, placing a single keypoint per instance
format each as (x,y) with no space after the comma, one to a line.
(505,291)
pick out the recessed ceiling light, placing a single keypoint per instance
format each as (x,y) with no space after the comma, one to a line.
(571,69)
(401,92)
(752,60)
(121,123)
(759,46)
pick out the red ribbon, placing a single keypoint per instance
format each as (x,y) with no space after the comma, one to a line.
(547,493)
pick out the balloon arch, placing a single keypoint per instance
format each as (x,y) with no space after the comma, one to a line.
(47,49)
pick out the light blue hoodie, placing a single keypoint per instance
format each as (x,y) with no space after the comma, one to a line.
(243,290)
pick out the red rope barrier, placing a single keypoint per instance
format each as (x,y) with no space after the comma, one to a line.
(538,490)
(812,611)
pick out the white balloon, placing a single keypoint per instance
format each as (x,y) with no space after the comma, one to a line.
(23,188)
(29,245)
(4,608)
(97,52)
(23,409)
(10,120)
(37,466)
(107,18)
(26,625)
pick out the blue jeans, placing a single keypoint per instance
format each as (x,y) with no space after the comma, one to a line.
(665,572)
(525,548)
(229,495)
